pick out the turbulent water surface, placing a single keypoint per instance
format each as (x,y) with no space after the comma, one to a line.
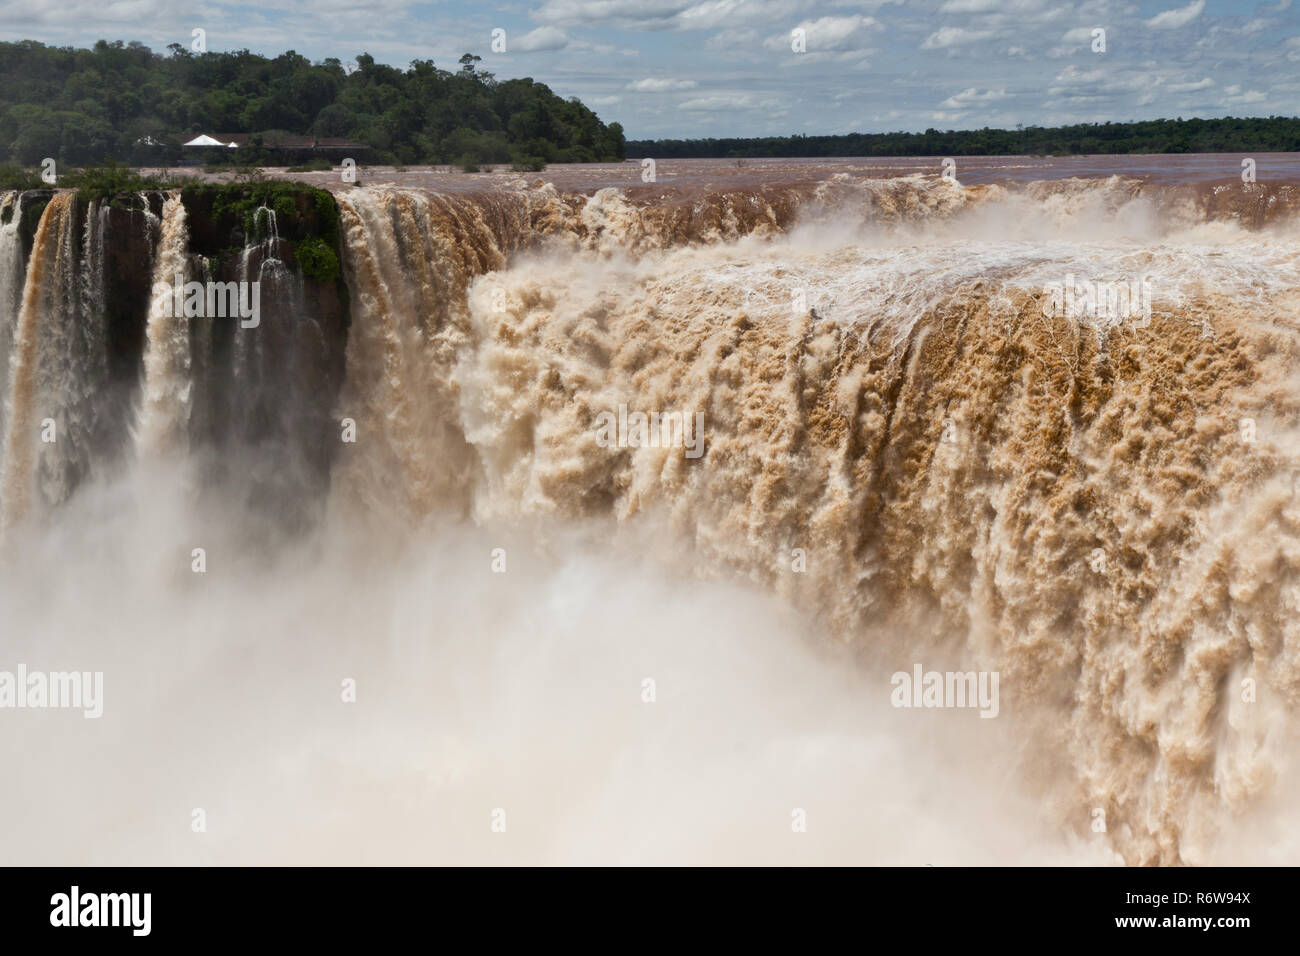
(567,650)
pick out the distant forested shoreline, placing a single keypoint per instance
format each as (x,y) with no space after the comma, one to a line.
(1274,134)
(126,103)
(129,104)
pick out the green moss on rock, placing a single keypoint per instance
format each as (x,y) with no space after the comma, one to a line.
(317,259)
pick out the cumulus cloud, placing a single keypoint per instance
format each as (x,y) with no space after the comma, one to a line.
(993,6)
(831,35)
(946,37)
(728,101)
(1078,35)
(1076,85)
(661,85)
(971,95)
(710,14)
(1173,19)
(539,40)
(661,14)
(643,14)
(1237,96)
(1201,84)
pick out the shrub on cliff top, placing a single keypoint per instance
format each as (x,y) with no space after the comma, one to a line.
(317,260)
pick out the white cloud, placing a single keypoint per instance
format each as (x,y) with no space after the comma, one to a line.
(710,14)
(971,95)
(661,85)
(706,103)
(664,14)
(946,37)
(536,41)
(1173,19)
(643,14)
(1079,35)
(1201,84)
(725,101)
(1080,86)
(831,35)
(992,6)
(1250,96)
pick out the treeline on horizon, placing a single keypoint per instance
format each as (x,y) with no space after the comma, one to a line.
(1275,134)
(125,102)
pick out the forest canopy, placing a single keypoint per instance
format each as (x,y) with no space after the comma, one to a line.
(127,103)
(1275,134)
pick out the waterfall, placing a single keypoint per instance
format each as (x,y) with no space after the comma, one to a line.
(58,361)
(408,259)
(40,359)
(164,417)
(86,335)
(258,262)
(900,440)
(942,460)
(11,288)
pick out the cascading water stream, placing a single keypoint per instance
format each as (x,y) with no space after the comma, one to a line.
(167,389)
(11,290)
(58,363)
(40,356)
(83,378)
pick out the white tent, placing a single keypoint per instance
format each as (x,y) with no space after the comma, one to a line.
(206,140)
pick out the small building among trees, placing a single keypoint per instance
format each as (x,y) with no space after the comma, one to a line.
(271,146)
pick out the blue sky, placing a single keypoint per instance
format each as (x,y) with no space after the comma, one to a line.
(685,68)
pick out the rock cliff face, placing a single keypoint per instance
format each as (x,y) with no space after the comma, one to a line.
(79,293)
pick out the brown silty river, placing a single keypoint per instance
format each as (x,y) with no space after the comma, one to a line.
(1211,181)
(713,174)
